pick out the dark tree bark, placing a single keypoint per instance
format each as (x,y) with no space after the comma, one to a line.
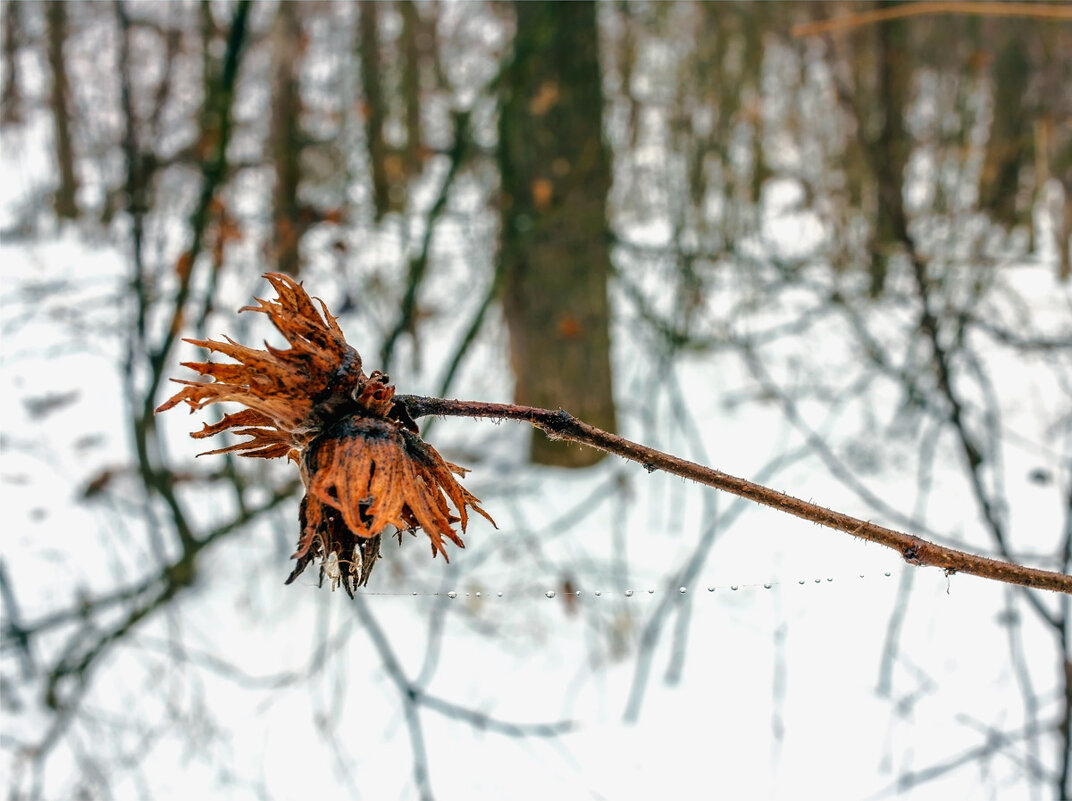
(411,83)
(10,100)
(1009,144)
(65,199)
(555,170)
(1062,166)
(286,139)
(375,106)
(892,146)
(757,20)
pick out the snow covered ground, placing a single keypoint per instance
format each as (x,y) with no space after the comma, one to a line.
(798,662)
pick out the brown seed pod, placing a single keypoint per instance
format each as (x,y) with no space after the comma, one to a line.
(362,460)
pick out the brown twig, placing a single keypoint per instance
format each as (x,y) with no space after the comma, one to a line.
(849,21)
(914,550)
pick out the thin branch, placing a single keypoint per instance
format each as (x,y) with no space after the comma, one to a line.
(150,595)
(1064,727)
(850,21)
(996,742)
(137,204)
(13,630)
(686,575)
(418,266)
(213,172)
(929,327)
(469,337)
(480,720)
(914,550)
(413,697)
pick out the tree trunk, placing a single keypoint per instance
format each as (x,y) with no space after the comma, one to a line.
(375,107)
(411,83)
(10,100)
(892,148)
(1063,217)
(555,171)
(65,199)
(1009,144)
(286,140)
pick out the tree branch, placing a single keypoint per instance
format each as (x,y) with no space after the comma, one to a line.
(1044,11)
(418,265)
(914,550)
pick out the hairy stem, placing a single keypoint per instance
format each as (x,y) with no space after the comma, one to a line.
(915,550)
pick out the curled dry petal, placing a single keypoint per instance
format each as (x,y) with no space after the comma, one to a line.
(362,460)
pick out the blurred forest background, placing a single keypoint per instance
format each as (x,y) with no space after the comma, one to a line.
(791,241)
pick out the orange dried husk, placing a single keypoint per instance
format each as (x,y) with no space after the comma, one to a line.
(365,468)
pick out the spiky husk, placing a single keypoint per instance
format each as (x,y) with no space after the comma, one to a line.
(362,460)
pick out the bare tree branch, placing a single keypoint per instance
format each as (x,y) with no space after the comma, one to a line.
(413,697)
(1043,11)
(914,550)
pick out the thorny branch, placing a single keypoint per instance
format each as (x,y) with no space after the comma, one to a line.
(915,550)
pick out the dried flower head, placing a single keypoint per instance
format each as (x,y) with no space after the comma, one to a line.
(362,460)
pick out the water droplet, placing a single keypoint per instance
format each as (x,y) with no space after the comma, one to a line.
(452,594)
(683,590)
(599,592)
(651,592)
(478,595)
(829,579)
(818,581)
(577,593)
(710,589)
(550,593)
(628,593)
(733,587)
(499,593)
(766,586)
(887,575)
(801,581)
(861,575)
(414,593)
(467,595)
